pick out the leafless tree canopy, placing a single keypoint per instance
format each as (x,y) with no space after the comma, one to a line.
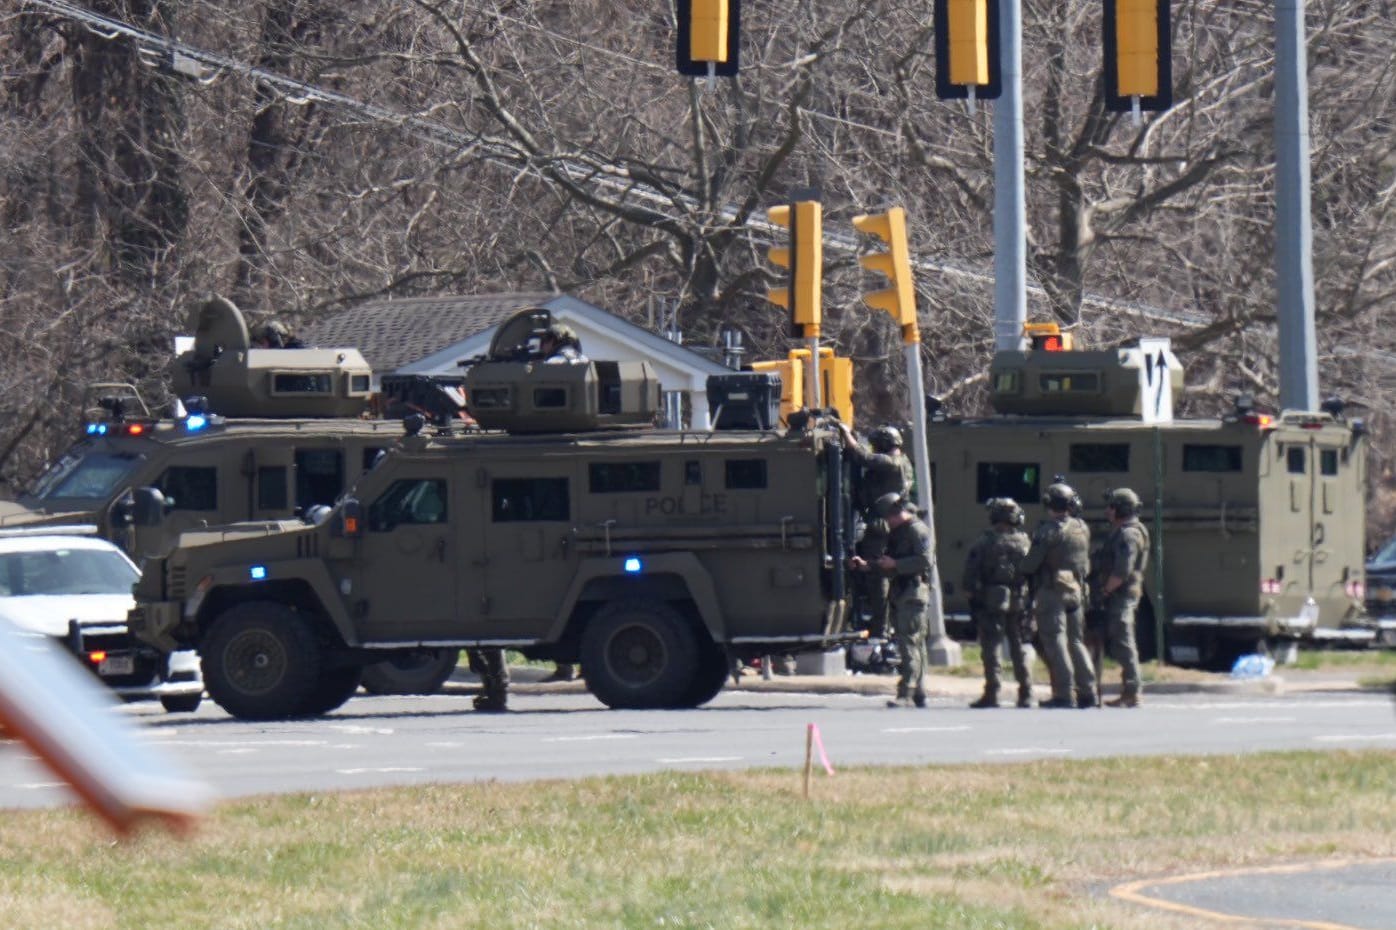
(356,149)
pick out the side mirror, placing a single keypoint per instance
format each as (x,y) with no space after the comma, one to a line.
(147,507)
(349,519)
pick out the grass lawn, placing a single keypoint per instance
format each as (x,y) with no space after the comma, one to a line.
(1003,846)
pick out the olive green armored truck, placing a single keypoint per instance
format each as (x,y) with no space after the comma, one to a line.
(575,532)
(1257,519)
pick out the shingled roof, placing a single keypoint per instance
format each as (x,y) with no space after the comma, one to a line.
(393,333)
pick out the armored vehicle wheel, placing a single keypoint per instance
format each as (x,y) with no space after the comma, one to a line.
(336,686)
(261,662)
(639,654)
(182,703)
(418,671)
(708,678)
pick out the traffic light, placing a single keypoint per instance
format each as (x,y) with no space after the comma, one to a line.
(803,294)
(899,299)
(1138,60)
(1047,337)
(967,49)
(708,37)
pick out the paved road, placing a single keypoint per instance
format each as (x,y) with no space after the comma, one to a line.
(374,741)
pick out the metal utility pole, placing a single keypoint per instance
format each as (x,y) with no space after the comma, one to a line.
(1010,210)
(1294,260)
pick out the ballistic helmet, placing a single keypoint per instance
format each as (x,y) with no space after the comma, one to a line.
(885,438)
(1124,502)
(273,333)
(1060,496)
(888,504)
(1005,510)
(562,333)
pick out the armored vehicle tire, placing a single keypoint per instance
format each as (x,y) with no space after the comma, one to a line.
(639,654)
(416,671)
(708,680)
(261,661)
(182,703)
(336,686)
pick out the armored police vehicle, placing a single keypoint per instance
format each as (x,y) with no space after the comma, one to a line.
(572,530)
(264,434)
(1257,520)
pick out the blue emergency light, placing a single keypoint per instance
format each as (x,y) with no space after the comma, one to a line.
(258,572)
(632,565)
(195,422)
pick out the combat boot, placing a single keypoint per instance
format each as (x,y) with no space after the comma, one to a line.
(1124,700)
(919,700)
(496,702)
(900,702)
(1057,702)
(1025,696)
(990,698)
(1087,699)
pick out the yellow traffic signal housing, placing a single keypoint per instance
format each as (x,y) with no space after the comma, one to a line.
(1138,62)
(708,37)
(803,294)
(967,48)
(1047,337)
(899,299)
(836,381)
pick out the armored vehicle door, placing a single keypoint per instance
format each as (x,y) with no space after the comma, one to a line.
(199,489)
(524,545)
(405,563)
(268,472)
(1322,514)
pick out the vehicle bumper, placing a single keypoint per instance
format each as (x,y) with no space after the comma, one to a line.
(154,622)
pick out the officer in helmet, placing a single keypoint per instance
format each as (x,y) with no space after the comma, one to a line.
(907,565)
(1122,561)
(1057,565)
(559,345)
(884,470)
(273,334)
(997,597)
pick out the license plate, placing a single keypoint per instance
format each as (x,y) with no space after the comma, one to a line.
(117,665)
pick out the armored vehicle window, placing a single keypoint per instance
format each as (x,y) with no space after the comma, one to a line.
(608,386)
(746,474)
(271,488)
(619,477)
(299,383)
(1081,382)
(550,398)
(1018,480)
(530,500)
(1100,456)
(1296,462)
(490,398)
(319,476)
(93,475)
(370,458)
(410,501)
(693,473)
(1328,461)
(1006,382)
(1211,458)
(190,488)
(359,384)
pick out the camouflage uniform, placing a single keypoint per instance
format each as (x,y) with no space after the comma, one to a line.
(996,598)
(881,473)
(910,545)
(1125,555)
(1057,565)
(494,678)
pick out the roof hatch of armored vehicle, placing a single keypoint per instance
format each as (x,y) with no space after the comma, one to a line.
(242,381)
(1052,379)
(514,388)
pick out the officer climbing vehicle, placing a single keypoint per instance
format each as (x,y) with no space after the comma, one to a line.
(259,434)
(567,527)
(1257,520)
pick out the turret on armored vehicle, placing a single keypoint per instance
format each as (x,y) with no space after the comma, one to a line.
(652,557)
(1258,518)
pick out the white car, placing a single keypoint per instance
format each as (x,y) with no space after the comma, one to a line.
(73,586)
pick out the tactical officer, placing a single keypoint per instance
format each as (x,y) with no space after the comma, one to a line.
(273,334)
(559,345)
(1056,566)
(494,679)
(907,562)
(884,470)
(996,597)
(1123,559)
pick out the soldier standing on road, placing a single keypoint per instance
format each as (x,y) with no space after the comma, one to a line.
(494,679)
(884,470)
(1057,564)
(1123,559)
(907,562)
(996,598)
